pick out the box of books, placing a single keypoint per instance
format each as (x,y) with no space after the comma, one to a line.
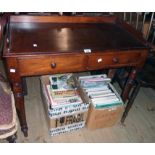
(106,105)
(62,101)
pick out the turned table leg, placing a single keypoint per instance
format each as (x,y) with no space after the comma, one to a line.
(111,74)
(19,100)
(130,102)
(126,91)
(16,82)
(129,84)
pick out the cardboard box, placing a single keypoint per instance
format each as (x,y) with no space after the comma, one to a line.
(63,119)
(67,124)
(102,118)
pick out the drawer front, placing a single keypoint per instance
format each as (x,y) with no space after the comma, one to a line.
(99,61)
(51,64)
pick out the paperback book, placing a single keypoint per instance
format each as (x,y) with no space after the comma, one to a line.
(62,82)
(63,100)
(63,94)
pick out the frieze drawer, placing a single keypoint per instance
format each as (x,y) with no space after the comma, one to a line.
(51,64)
(105,60)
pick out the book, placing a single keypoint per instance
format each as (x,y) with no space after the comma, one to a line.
(93,80)
(61,101)
(112,104)
(97,84)
(101,95)
(92,76)
(107,103)
(99,92)
(92,89)
(63,94)
(62,82)
(91,92)
(104,100)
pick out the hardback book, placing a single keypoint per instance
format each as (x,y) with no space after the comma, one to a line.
(103,76)
(100,88)
(93,84)
(93,80)
(91,92)
(101,95)
(105,100)
(108,105)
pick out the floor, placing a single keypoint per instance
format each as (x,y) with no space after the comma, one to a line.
(139,125)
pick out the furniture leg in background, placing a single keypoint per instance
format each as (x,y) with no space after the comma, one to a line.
(126,91)
(130,101)
(129,84)
(111,74)
(145,79)
(24,86)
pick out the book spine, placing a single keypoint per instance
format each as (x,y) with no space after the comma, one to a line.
(93,76)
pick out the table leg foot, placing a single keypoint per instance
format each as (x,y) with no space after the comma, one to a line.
(24,129)
(19,100)
(123,118)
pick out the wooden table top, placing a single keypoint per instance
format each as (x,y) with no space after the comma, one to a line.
(69,37)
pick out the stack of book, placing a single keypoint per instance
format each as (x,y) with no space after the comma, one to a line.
(63,96)
(100,91)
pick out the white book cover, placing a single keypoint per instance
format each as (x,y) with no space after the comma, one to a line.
(101,88)
(105,99)
(99,92)
(104,80)
(93,76)
(93,96)
(93,84)
(106,102)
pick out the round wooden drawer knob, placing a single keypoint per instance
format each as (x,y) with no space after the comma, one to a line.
(53,65)
(115,60)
